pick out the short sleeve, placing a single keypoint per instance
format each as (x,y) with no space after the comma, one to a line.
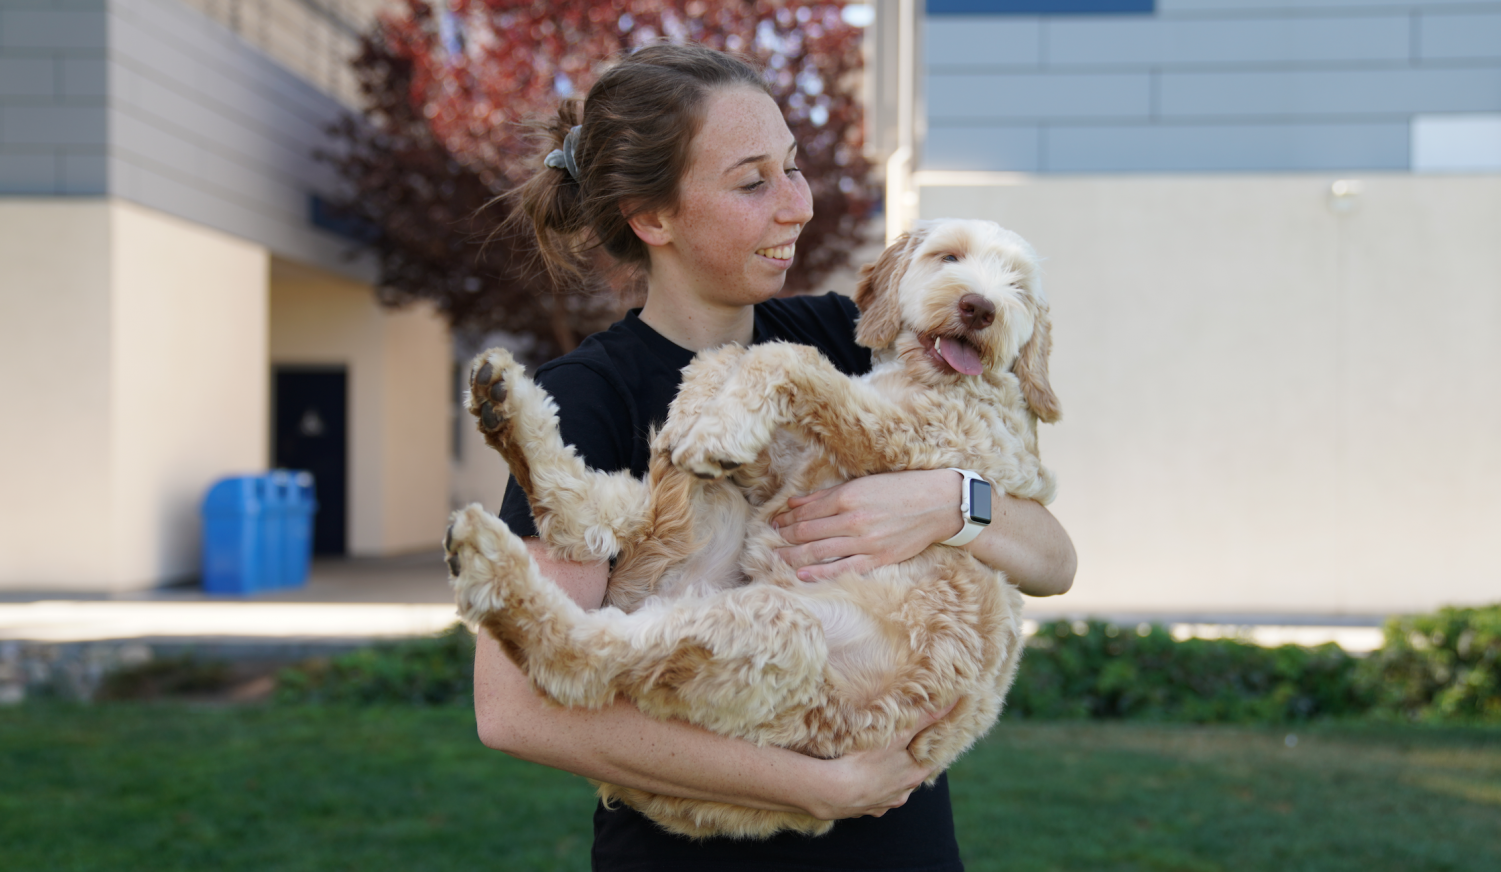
(591,413)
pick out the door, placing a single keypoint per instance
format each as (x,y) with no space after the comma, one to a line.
(311,433)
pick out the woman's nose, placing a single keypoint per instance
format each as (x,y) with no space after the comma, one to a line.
(797,202)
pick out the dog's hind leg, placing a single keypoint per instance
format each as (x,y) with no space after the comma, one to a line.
(581,513)
(725,661)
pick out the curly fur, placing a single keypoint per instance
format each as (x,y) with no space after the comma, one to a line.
(703,622)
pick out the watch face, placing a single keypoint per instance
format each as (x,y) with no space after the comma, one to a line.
(979,502)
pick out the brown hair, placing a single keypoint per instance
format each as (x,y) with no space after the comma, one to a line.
(637,125)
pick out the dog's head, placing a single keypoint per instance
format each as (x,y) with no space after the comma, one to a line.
(956,298)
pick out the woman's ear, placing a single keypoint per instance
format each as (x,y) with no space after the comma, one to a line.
(880,312)
(650,226)
(1031,368)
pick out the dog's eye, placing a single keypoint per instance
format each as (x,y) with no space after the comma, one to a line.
(951,258)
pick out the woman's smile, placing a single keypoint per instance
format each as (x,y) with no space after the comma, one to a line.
(781,253)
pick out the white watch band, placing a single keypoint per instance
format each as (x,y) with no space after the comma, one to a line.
(972,528)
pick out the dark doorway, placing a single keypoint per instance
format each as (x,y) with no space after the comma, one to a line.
(311,433)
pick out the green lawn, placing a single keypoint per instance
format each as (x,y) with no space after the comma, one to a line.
(174,786)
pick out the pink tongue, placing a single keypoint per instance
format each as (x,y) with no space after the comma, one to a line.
(960,355)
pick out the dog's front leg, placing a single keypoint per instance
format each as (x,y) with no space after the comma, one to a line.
(582,514)
(728,662)
(777,385)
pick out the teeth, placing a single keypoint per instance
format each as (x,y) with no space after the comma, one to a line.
(781,252)
(938,345)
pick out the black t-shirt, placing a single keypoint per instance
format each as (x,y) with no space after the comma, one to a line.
(610,391)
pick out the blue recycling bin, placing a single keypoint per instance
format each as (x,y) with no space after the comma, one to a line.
(258,532)
(234,535)
(290,540)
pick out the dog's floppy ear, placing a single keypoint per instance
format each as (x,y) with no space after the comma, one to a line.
(1032,368)
(880,312)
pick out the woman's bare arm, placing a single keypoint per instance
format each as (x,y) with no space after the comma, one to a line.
(887,518)
(621,745)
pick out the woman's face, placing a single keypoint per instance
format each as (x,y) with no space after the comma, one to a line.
(742,202)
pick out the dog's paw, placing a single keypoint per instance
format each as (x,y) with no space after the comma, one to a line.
(490,378)
(484,560)
(713,447)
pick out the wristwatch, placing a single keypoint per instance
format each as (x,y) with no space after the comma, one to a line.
(974,506)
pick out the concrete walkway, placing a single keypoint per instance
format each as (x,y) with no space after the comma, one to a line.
(347,600)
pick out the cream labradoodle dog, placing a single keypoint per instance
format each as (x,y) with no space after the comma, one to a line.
(703,621)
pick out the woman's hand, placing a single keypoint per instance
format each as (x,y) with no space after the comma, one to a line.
(868,522)
(883,519)
(875,781)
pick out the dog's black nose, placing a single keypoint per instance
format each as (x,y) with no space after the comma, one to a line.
(976,312)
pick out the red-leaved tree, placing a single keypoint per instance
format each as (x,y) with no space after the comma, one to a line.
(448,89)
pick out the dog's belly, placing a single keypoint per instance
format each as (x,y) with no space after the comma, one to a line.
(863,660)
(721,519)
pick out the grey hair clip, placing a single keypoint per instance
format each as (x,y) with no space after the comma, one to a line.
(562,158)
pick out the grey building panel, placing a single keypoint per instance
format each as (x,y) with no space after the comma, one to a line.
(985,40)
(137,180)
(52,125)
(978,97)
(22,76)
(85,172)
(28,173)
(83,76)
(215,152)
(246,174)
(272,193)
(1451,37)
(187,47)
(240,115)
(51,28)
(131,132)
(1330,93)
(165,72)
(1012,149)
(1164,42)
(174,113)
(1228,148)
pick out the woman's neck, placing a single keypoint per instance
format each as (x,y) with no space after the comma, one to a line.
(695,324)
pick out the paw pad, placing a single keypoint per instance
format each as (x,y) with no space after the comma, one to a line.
(487,398)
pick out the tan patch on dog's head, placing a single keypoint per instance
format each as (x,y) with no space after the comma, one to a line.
(876,295)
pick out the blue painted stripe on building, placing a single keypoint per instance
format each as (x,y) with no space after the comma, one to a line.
(1042,7)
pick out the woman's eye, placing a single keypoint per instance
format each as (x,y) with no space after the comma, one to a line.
(753,185)
(950,258)
(792,170)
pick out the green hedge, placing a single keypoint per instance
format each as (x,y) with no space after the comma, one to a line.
(1440,667)
(437,670)
(1443,667)
(1095,669)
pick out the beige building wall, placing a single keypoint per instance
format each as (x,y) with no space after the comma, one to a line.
(1276,399)
(399,387)
(479,473)
(133,350)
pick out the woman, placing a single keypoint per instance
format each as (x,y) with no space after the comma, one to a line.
(681,165)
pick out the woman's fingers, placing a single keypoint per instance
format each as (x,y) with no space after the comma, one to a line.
(820,571)
(930,719)
(811,507)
